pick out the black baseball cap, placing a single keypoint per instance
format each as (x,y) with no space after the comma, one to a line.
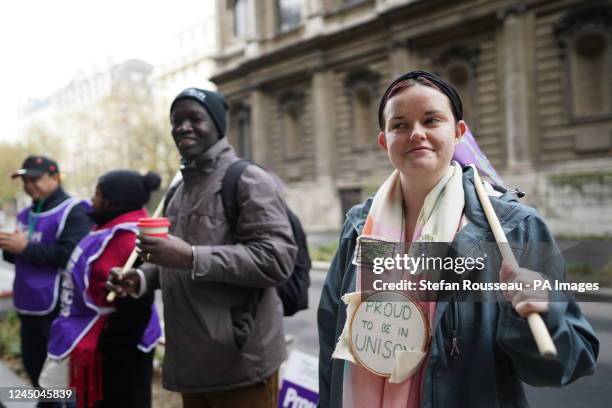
(36,166)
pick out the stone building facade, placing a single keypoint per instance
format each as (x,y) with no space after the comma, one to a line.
(304,78)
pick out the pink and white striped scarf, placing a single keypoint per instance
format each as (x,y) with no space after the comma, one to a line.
(438,221)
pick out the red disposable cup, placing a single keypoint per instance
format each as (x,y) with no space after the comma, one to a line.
(154,227)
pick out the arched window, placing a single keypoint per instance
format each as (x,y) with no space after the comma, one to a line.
(362,92)
(291,106)
(457,65)
(590,74)
(458,75)
(365,131)
(244,137)
(349,197)
(289,14)
(351,2)
(292,124)
(241,122)
(585,40)
(240,18)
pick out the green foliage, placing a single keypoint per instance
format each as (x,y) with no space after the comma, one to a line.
(9,336)
(11,158)
(606,275)
(581,269)
(324,253)
(158,357)
(585,237)
(584,271)
(578,180)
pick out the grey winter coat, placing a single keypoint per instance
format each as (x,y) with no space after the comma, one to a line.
(212,342)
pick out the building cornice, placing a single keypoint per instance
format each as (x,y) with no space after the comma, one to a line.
(396,23)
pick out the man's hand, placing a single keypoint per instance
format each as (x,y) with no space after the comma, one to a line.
(14,242)
(172,252)
(528,300)
(123,284)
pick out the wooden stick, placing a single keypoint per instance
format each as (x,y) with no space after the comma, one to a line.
(134,255)
(536,324)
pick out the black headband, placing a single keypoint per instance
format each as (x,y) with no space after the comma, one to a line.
(446,89)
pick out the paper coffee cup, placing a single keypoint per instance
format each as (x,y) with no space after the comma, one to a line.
(154,227)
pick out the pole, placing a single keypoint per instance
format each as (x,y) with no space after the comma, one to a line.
(536,324)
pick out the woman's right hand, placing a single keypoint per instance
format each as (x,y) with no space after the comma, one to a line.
(123,284)
(528,300)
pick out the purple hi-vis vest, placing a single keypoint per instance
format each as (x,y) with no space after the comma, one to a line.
(78,313)
(36,287)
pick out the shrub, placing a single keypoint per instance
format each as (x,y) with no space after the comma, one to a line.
(9,336)
(324,252)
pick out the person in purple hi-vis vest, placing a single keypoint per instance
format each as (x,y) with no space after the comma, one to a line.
(109,345)
(46,233)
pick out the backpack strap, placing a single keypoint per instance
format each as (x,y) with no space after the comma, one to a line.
(229,196)
(229,190)
(169,195)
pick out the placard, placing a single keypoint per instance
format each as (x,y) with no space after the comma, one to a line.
(300,387)
(384,324)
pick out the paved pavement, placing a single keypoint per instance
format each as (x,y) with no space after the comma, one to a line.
(593,391)
(9,379)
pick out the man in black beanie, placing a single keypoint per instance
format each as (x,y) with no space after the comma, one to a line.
(205,112)
(223,318)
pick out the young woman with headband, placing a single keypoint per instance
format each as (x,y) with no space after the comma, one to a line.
(478,353)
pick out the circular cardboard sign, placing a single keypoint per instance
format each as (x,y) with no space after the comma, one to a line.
(383,324)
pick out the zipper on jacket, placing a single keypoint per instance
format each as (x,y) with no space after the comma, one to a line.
(454,352)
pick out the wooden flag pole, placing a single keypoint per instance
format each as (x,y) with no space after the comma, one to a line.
(134,255)
(536,324)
